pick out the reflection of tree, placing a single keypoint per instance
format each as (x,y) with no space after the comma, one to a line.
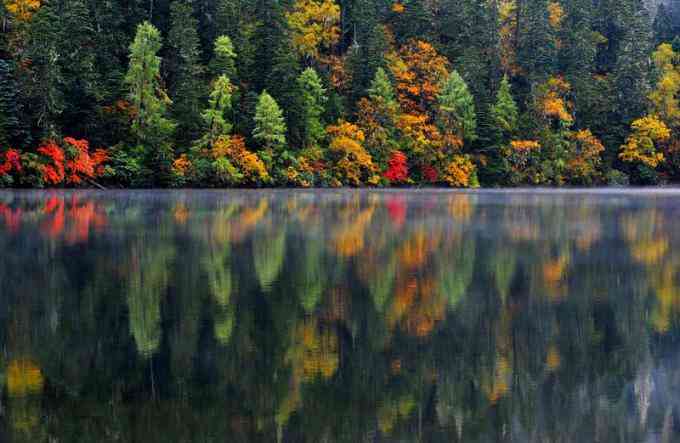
(269,247)
(148,280)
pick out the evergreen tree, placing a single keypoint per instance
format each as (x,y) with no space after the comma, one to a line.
(150,125)
(9,112)
(456,111)
(663,25)
(313,100)
(223,62)
(270,127)
(215,116)
(536,51)
(187,85)
(504,112)
(381,88)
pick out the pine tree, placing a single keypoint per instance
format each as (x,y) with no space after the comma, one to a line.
(536,52)
(187,84)
(313,100)
(270,127)
(381,87)
(456,111)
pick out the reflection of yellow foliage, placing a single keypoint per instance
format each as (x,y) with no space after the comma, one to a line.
(391,411)
(417,305)
(320,351)
(249,218)
(648,245)
(180,213)
(553,359)
(24,378)
(500,385)
(460,207)
(553,275)
(348,239)
(667,295)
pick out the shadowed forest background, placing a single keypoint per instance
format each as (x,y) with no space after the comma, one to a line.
(331,93)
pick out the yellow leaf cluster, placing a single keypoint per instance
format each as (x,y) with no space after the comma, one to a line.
(181,165)
(555,14)
(22,10)
(640,145)
(459,171)
(248,162)
(552,102)
(314,26)
(353,164)
(664,96)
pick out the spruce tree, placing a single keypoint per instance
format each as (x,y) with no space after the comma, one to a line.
(187,84)
(456,111)
(313,96)
(270,127)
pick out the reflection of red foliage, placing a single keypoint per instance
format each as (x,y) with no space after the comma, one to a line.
(396,207)
(397,170)
(12,217)
(430,173)
(78,219)
(54,226)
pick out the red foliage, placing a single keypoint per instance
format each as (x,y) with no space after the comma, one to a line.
(397,169)
(430,173)
(12,161)
(53,173)
(74,163)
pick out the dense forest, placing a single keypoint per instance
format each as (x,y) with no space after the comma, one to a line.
(339,92)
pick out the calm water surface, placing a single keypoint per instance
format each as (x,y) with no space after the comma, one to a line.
(349,316)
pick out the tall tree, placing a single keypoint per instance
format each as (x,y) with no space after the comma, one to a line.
(150,125)
(270,127)
(187,85)
(456,111)
(313,98)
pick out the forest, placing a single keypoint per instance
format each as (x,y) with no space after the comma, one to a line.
(329,93)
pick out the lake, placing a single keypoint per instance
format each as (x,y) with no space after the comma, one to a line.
(340,315)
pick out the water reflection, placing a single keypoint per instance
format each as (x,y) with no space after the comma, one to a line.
(339,316)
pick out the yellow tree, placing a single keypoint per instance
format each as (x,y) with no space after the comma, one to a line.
(22,10)
(352,164)
(641,145)
(314,26)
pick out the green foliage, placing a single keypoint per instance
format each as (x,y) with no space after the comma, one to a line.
(187,71)
(223,62)
(270,127)
(456,112)
(215,116)
(313,100)
(504,112)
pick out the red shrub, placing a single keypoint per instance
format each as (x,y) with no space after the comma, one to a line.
(397,169)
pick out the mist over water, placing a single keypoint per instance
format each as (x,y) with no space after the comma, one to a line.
(340,315)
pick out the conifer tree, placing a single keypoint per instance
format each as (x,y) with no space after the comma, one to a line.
(504,112)
(215,116)
(223,62)
(186,70)
(456,111)
(150,125)
(313,100)
(9,111)
(270,127)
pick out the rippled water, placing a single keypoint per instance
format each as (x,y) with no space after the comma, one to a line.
(354,316)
